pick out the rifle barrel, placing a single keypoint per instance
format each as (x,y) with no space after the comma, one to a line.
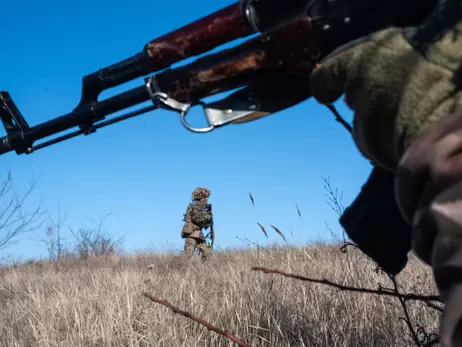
(81,116)
(279,50)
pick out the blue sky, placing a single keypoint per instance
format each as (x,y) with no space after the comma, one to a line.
(143,170)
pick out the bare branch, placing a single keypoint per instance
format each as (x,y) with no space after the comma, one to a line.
(339,118)
(334,197)
(94,241)
(407,296)
(407,318)
(419,336)
(209,326)
(435,307)
(13,220)
(53,239)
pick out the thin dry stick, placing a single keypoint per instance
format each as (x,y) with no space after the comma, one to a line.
(407,318)
(433,306)
(339,118)
(407,296)
(209,326)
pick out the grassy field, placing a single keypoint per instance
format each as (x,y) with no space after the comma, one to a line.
(99,302)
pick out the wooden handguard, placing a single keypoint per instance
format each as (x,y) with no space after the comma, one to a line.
(290,49)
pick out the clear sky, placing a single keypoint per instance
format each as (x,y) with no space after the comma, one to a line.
(143,170)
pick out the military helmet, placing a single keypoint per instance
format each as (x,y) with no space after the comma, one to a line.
(200,193)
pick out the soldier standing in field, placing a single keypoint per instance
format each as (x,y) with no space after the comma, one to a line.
(198,216)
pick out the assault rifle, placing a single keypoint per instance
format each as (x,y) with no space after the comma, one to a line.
(208,208)
(271,69)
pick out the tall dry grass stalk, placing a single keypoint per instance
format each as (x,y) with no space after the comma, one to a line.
(99,302)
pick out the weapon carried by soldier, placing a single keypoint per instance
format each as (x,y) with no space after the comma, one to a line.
(211,234)
(272,69)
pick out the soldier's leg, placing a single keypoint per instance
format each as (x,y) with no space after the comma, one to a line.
(429,193)
(205,251)
(189,246)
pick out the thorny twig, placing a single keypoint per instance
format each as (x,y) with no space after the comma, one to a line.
(209,326)
(435,307)
(431,340)
(427,338)
(406,296)
(407,318)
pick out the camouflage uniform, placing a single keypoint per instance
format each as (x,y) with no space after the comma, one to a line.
(404,86)
(196,218)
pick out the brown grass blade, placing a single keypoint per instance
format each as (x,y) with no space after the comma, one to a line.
(251,198)
(263,229)
(279,232)
(186,314)
(298,210)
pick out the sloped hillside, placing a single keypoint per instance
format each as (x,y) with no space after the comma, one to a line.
(99,302)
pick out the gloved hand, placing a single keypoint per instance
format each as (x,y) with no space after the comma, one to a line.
(393,89)
(404,105)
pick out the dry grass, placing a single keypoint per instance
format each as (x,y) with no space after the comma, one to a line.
(98,302)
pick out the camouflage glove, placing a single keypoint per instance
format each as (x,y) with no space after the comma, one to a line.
(404,105)
(394,90)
